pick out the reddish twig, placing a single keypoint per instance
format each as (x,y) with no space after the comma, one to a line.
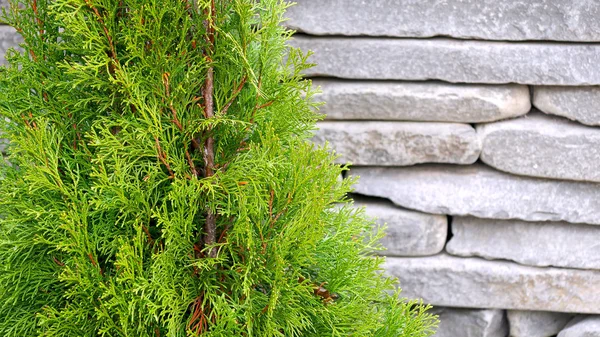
(111,45)
(234,95)
(37,17)
(191,163)
(163,158)
(199,320)
(150,240)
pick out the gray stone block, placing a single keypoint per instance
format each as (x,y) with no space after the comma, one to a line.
(536,323)
(541,244)
(539,145)
(470,322)
(400,143)
(453,60)
(581,104)
(476,283)
(482,192)
(566,20)
(422,101)
(9,38)
(582,327)
(409,233)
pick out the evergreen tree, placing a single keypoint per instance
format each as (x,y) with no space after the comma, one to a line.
(159,181)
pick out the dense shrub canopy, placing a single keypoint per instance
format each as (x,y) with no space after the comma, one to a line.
(159,181)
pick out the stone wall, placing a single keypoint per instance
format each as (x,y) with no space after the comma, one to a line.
(474,126)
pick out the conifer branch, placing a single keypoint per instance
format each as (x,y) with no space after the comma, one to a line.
(111,223)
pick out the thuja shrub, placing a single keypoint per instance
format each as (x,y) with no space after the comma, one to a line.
(159,181)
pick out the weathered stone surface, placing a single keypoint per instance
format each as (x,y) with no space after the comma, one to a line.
(482,192)
(476,283)
(453,60)
(582,327)
(581,104)
(8,38)
(400,143)
(470,323)
(409,233)
(541,244)
(566,20)
(536,323)
(542,146)
(422,101)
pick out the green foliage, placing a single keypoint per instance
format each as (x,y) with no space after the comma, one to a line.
(109,189)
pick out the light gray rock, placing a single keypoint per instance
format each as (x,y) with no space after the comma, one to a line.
(580,104)
(9,38)
(453,60)
(541,244)
(536,323)
(482,192)
(400,143)
(566,20)
(476,283)
(422,101)
(409,233)
(470,323)
(539,145)
(582,327)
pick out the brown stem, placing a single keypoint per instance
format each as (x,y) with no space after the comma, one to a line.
(210,227)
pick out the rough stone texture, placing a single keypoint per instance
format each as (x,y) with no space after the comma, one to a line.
(400,143)
(476,283)
(541,244)
(566,20)
(581,104)
(8,38)
(453,60)
(422,101)
(409,233)
(582,327)
(470,323)
(536,323)
(482,192)
(542,146)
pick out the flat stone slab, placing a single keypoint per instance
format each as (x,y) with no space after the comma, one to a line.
(453,60)
(481,192)
(536,323)
(470,322)
(582,327)
(422,101)
(541,244)
(400,143)
(409,233)
(9,38)
(542,146)
(566,20)
(581,104)
(476,283)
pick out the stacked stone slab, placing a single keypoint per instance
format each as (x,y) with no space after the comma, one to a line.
(431,102)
